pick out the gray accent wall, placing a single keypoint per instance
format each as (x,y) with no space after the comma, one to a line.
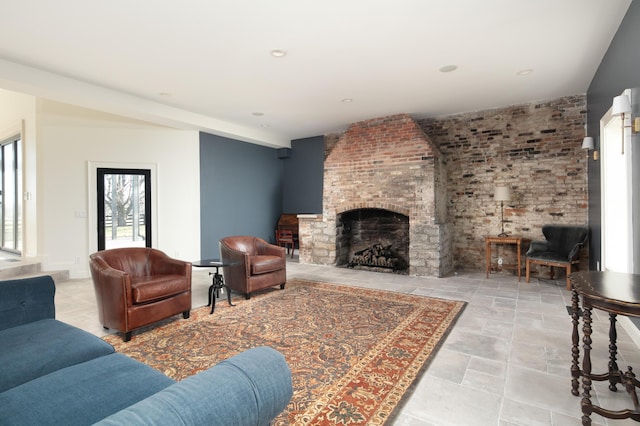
(240,191)
(619,70)
(303,176)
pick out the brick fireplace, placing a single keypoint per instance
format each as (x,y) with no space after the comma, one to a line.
(386,165)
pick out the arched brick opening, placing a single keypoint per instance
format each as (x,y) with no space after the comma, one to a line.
(373,239)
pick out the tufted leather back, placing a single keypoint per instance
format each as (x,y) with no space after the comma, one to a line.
(243,243)
(136,261)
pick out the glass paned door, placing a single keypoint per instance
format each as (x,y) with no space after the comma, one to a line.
(124,208)
(10,199)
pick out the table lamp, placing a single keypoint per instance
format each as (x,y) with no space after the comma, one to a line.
(502,194)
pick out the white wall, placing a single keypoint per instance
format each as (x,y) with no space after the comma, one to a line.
(68,138)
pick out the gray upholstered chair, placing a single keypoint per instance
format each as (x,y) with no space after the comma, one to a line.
(561,248)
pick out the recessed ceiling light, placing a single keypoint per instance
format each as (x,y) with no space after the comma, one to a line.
(525,72)
(346,100)
(265,125)
(165,94)
(448,68)
(278,53)
(257,114)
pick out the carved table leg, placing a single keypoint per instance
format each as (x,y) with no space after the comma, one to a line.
(575,339)
(613,351)
(630,382)
(587,407)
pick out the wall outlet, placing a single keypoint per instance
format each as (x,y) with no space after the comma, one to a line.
(500,260)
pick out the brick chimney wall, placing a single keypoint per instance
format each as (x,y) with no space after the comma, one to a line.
(386,163)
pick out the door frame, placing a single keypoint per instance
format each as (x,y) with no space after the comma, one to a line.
(608,147)
(100,199)
(92,208)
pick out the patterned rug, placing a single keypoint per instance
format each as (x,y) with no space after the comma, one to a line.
(353,352)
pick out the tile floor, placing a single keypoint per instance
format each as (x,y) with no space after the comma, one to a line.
(506,361)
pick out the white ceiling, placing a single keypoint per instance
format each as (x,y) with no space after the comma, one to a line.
(206,64)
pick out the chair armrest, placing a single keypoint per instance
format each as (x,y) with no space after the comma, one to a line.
(227,254)
(112,286)
(235,276)
(537,246)
(575,251)
(251,388)
(26,300)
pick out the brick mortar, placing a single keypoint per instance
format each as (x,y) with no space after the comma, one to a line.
(535,149)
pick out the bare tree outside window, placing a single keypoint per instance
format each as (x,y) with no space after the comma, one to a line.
(124,207)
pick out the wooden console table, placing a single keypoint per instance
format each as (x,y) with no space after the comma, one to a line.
(509,239)
(615,293)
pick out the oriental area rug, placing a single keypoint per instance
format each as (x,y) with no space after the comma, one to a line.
(353,352)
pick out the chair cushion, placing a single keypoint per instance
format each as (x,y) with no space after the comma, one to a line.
(81,394)
(266,264)
(156,287)
(32,350)
(548,256)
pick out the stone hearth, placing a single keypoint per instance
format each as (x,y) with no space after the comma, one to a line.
(387,164)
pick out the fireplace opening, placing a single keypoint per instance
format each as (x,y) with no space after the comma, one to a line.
(373,239)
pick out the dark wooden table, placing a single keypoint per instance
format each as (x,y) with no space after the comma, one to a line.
(217,284)
(618,294)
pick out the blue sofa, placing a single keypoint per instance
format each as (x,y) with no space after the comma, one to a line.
(55,374)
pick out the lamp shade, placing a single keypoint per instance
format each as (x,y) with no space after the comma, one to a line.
(587,143)
(502,193)
(621,105)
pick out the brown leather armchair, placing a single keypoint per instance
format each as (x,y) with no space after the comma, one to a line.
(256,264)
(137,286)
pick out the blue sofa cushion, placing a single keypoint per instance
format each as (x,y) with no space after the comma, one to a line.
(81,394)
(26,300)
(32,350)
(250,388)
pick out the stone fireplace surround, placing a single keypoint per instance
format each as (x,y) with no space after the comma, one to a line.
(385,163)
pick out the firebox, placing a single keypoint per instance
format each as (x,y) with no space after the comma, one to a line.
(373,239)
